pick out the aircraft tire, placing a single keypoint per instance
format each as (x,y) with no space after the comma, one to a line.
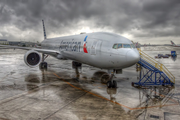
(109,84)
(114,84)
(43,65)
(76,64)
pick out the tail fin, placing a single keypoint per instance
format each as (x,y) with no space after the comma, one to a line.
(44,29)
(173,43)
(37,46)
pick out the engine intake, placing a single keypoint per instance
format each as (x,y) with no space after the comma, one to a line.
(32,58)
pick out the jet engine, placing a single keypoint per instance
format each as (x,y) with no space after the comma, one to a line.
(32,58)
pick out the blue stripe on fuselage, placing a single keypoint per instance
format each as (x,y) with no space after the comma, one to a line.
(85,38)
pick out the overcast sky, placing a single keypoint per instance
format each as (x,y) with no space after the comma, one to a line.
(146,21)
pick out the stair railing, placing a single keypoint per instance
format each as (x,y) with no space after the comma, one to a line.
(156,64)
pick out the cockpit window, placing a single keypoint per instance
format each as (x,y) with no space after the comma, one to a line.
(126,46)
(119,45)
(115,46)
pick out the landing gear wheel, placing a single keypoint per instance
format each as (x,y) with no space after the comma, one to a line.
(43,65)
(76,65)
(109,84)
(132,84)
(112,84)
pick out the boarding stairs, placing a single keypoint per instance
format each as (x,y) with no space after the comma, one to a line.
(152,72)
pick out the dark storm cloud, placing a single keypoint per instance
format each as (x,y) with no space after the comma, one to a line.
(161,17)
(148,17)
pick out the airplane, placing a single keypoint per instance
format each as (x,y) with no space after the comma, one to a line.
(174,45)
(99,49)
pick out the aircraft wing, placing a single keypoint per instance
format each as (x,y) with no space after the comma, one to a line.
(45,51)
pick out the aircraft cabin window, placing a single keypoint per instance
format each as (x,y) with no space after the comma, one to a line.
(115,46)
(119,45)
(126,46)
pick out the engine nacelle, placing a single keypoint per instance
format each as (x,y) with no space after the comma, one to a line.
(32,58)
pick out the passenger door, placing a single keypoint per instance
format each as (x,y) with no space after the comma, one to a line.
(95,47)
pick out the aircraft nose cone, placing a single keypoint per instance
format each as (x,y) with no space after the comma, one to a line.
(133,56)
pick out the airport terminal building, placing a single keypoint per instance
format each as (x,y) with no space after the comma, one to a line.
(16,43)
(4,42)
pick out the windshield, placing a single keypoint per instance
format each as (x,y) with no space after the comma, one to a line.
(126,46)
(117,46)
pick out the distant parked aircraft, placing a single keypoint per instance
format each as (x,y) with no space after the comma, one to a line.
(173,44)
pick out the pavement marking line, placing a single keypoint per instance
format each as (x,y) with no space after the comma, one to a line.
(111,100)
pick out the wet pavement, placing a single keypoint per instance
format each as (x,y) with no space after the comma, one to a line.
(59,93)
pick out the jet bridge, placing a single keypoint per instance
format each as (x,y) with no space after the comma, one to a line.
(152,72)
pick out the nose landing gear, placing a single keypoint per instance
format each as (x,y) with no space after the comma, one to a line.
(108,79)
(111,83)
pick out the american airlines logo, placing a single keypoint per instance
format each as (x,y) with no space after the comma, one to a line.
(73,46)
(84,46)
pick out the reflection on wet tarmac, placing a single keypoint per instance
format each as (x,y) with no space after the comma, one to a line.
(174,58)
(32,81)
(32,78)
(155,95)
(77,74)
(112,92)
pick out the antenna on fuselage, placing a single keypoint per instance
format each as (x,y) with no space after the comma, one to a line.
(44,29)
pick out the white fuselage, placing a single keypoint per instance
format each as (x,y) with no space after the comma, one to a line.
(95,49)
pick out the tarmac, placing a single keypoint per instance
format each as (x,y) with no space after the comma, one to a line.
(62,93)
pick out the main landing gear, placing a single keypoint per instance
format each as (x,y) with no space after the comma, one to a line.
(76,66)
(43,64)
